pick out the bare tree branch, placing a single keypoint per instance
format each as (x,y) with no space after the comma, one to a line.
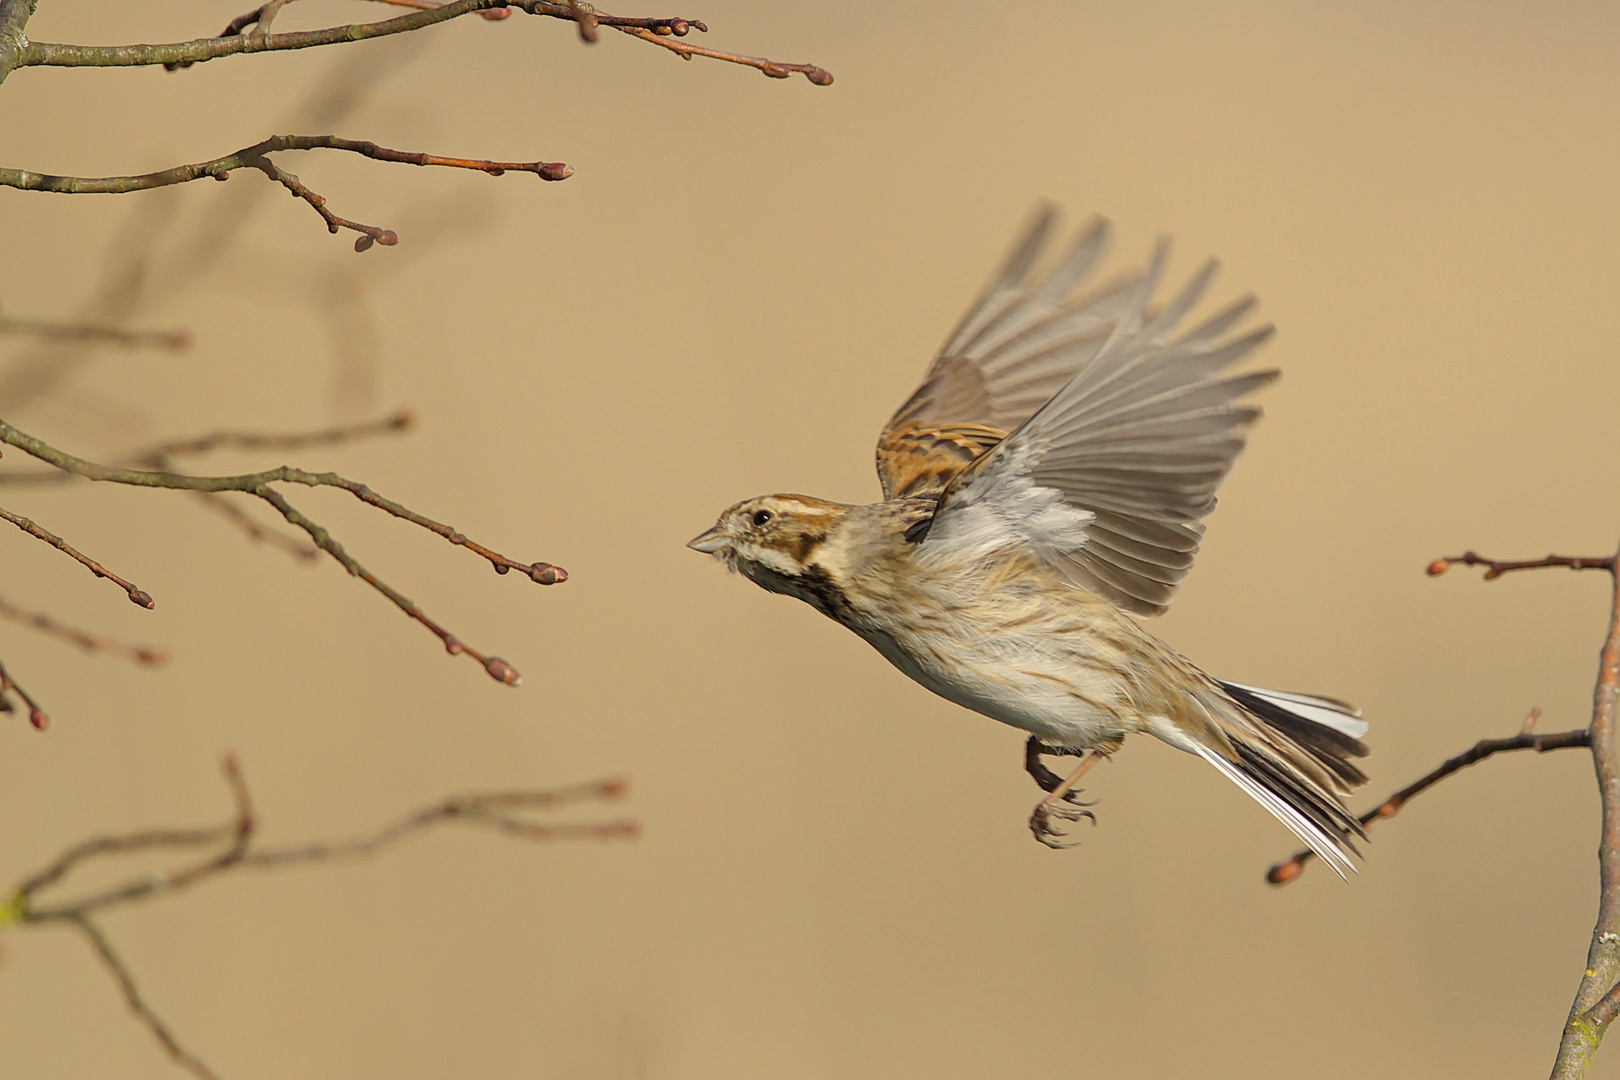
(140,654)
(90,333)
(1284,872)
(24,53)
(488,809)
(259,485)
(257,157)
(771,68)
(36,715)
(138,596)
(1595,1003)
(1495,568)
(1597,999)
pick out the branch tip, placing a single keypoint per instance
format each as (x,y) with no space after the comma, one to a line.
(502,672)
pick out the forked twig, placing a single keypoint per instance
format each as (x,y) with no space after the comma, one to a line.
(493,810)
(260,485)
(1597,999)
(257,157)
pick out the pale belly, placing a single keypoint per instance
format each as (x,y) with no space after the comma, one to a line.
(1057,697)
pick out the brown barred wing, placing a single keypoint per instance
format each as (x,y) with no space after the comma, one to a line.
(1024,337)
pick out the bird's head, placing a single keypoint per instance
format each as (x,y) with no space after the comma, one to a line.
(773,538)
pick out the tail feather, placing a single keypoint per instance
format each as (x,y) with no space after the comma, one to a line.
(1300,719)
(1292,755)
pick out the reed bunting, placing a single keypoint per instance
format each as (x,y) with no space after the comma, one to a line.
(1042,493)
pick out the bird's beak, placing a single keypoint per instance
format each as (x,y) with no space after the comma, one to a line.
(709,542)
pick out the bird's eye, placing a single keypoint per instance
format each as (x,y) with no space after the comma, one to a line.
(762,516)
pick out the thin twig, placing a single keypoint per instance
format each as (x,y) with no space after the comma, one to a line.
(183,53)
(257,157)
(89,333)
(137,1004)
(488,809)
(36,715)
(138,596)
(1495,568)
(141,654)
(160,457)
(771,68)
(1284,872)
(259,485)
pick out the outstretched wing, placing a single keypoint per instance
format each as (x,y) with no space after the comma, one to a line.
(1110,477)
(1016,347)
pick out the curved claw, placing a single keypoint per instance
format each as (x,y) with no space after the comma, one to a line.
(1040,823)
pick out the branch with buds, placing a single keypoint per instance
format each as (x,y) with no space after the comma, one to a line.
(152,468)
(250,33)
(229,848)
(1597,1000)
(257,157)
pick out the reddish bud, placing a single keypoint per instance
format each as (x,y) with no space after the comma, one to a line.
(775,71)
(680,27)
(453,647)
(37,717)
(388,238)
(1283,873)
(142,598)
(615,788)
(402,420)
(363,243)
(1438,567)
(501,671)
(819,76)
(496,14)
(555,170)
(546,574)
(147,654)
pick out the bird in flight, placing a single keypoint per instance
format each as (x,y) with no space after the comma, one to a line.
(1043,493)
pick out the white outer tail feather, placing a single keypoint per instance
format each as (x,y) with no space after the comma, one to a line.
(1328,847)
(1338,715)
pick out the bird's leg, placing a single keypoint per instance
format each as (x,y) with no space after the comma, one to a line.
(1037,769)
(1045,778)
(1058,804)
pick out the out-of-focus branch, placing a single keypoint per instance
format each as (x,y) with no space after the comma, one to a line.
(36,715)
(257,157)
(140,654)
(234,838)
(89,333)
(1526,739)
(179,54)
(138,596)
(260,485)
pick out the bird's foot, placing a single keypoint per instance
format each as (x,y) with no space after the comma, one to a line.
(1062,802)
(1040,822)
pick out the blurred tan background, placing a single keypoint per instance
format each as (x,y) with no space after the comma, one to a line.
(741,282)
